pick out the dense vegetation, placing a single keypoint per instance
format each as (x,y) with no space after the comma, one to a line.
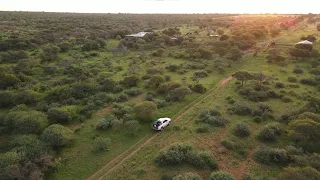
(58,69)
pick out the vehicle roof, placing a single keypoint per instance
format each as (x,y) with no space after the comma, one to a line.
(162,119)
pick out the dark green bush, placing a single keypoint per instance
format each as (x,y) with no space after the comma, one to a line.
(184,153)
(241,130)
(199,88)
(279,85)
(240,109)
(104,124)
(133,91)
(267,155)
(211,117)
(309,81)
(298,70)
(292,79)
(269,132)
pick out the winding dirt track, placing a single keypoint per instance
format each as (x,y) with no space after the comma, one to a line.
(182,112)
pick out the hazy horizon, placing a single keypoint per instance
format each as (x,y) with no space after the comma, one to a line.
(163,6)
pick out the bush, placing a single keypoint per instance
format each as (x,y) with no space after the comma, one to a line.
(145,110)
(131,81)
(184,153)
(269,132)
(25,122)
(165,88)
(133,91)
(200,74)
(57,135)
(305,133)
(242,130)
(297,70)
(308,81)
(299,173)
(104,124)
(292,79)
(212,118)
(101,144)
(202,160)
(178,94)
(240,109)
(199,88)
(220,175)
(61,115)
(122,98)
(279,85)
(187,176)
(267,155)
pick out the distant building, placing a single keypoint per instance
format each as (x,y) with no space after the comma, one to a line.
(139,35)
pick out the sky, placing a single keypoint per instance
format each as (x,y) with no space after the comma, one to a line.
(163,6)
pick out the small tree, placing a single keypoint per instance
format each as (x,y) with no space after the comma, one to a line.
(235,54)
(49,52)
(178,94)
(145,110)
(242,76)
(57,135)
(306,133)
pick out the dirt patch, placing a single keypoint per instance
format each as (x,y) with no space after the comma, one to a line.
(244,166)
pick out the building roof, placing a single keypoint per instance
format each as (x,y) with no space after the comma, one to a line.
(304,42)
(140,34)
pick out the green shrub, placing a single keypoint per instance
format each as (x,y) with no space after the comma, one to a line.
(178,94)
(279,85)
(292,79)
(184,154)
(220,175)
(202,160)
(269,132)
(241,130)
(133,91)
(145,110)
(101,144)
(25,122)
(57,135)
(104,124)
(211,117)
(305,133)
(62,115)
(267,155)
(308,81)
(240,109)
(199,88)
(297,70)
